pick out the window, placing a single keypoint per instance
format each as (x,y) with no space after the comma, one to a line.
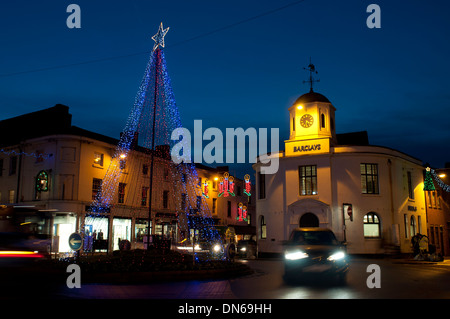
(419,224)
(263,230)
(410,187)
(429,198)
(98,159)
(96,187)
(371,226)
(12,165)
(199,202)
(322,120)
(183,202)
(262,186)
(433,199)
(39,157)
(11,196)
(166,174)
(165,199)
(122,163)
(293,123)
(228,209)
(144,195)
(369,178)
(42,181)
(405,221)
(214,205)
(307,176)
(122,192)
(438,199)
(413,226)
(144,169)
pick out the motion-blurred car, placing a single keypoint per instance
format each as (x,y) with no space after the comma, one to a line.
(315,253)
(246,248)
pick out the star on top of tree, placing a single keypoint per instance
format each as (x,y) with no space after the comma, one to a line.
(159,37)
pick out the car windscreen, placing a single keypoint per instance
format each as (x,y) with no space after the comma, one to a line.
(313,238)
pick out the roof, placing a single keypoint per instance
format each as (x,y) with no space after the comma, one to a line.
(311,97)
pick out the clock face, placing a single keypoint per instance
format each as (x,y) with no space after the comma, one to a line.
(306,120)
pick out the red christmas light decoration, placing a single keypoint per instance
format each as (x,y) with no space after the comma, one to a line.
(248,185)
(226,185)
(205,189)
(242,213)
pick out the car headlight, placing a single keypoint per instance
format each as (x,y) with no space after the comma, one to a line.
(336,256)
(243,249)
(295,255)
(216,248)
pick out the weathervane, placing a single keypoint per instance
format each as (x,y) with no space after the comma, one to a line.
(159,37)
(312,69)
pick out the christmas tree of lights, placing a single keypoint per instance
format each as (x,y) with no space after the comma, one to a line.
(428,183)
(153,118)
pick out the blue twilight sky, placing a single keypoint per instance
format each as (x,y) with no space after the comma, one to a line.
(393,82)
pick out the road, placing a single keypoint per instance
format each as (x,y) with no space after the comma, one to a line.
(398,281)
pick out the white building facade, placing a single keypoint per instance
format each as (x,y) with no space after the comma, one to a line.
(370,196)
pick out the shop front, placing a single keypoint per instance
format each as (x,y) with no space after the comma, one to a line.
(96,232)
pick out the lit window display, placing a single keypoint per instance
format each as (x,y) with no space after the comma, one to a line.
(96,233)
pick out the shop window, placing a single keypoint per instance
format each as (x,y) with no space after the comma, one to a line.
(140,230)
(372,225)
(369,178)
(307,176)
(121,231)
(96,233)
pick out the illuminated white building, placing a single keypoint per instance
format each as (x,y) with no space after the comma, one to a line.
(370,196)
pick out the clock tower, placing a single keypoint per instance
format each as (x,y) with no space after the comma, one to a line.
(312,125)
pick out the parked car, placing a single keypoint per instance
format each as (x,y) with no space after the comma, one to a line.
(315,253)
(246,248)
